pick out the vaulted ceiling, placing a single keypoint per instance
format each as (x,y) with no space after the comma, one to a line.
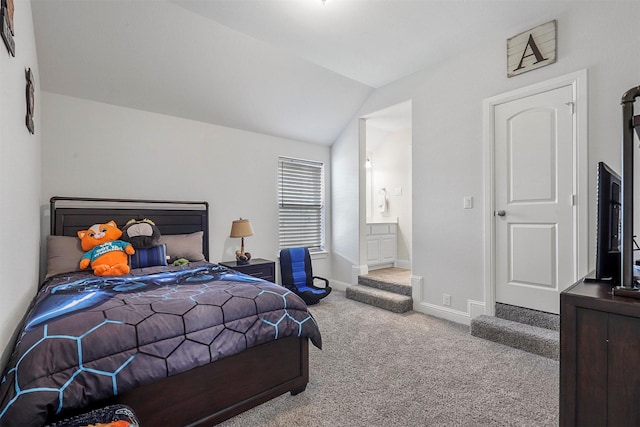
(298,69)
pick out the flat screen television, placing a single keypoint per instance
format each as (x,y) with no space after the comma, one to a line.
(608,225)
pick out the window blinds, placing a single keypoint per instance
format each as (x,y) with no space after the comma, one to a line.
(301,204)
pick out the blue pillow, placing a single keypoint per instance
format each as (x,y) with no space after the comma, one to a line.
(149,257)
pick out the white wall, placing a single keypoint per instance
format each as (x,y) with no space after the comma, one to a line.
(447,142)
(19,178)
(92,149)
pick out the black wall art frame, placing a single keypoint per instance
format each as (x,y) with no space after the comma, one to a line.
(6,25)
(31,102)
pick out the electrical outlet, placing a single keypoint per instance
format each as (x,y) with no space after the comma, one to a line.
(446,300)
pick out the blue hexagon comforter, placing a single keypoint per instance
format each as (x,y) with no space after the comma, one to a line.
(87,338)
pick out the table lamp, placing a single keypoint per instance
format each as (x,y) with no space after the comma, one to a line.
(241,228)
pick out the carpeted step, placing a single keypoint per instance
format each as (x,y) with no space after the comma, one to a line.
(528,316)
(532,339)
(396,288)
(380,298)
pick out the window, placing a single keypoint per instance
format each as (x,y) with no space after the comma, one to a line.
(301,203)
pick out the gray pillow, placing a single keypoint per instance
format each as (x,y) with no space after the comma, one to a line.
(63,255)
(188,246)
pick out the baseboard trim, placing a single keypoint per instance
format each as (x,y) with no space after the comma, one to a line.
(403,263)
(474,309)
(358,270)
(446,313)
(338,285)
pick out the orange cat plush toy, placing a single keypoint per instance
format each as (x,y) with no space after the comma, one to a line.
(106,254)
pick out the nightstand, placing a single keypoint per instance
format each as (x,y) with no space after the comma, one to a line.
(257,267)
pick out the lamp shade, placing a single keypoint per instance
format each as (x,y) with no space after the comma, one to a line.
(241,228)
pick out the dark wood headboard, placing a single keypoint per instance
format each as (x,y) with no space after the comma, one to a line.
(71,214)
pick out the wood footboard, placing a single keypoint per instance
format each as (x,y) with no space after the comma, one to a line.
(213,393)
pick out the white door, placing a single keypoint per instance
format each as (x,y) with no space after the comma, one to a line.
(535,242)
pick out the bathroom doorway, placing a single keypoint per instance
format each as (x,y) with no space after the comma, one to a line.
(388,190)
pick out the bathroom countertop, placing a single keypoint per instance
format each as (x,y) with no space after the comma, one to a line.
(393,220)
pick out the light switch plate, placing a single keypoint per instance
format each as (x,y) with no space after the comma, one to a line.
(468,202)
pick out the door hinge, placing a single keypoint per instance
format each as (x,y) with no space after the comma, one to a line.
(572,105)
(574,199)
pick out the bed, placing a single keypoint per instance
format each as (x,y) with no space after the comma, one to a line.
(181,345)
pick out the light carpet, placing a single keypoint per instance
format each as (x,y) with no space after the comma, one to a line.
(379,368)
(391,274)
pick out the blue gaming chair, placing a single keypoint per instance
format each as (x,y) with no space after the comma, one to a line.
(297,275)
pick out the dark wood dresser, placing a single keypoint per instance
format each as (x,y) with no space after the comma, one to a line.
(599,357)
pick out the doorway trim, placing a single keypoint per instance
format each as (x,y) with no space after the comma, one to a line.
(578,82)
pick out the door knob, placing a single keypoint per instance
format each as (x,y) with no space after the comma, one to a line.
(501,213)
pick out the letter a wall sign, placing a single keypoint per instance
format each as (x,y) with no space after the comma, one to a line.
(532,49)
